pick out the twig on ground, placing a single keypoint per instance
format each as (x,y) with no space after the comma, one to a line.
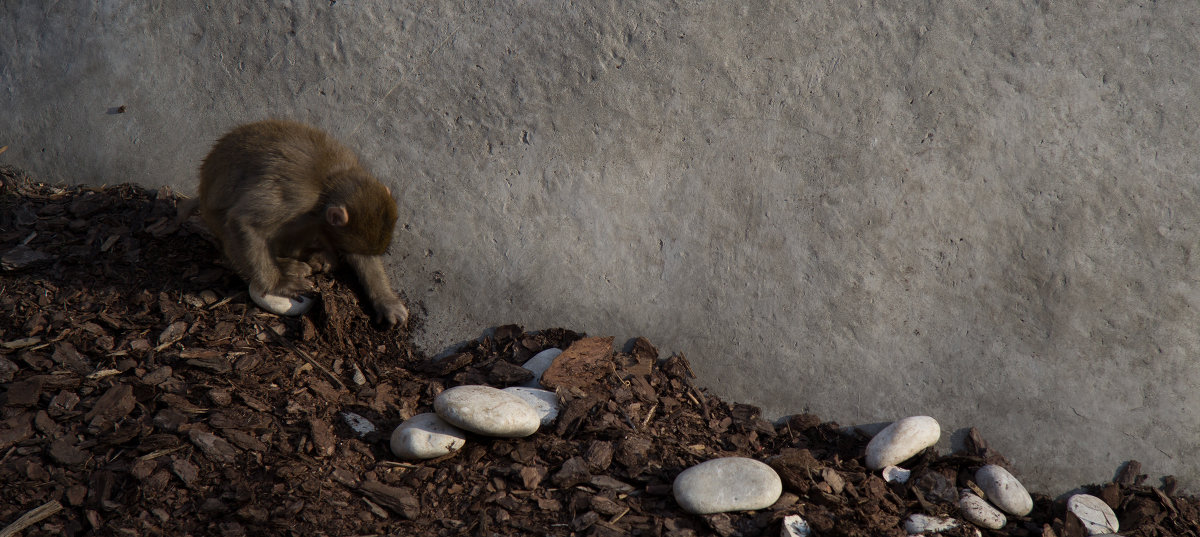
(39,514)
(292,347)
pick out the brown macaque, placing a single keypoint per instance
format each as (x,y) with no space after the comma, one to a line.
(285,199)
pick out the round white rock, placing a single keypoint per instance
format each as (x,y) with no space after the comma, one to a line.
(979,512)
(488,411)
(1003,490)
(539,364)
(1098,518)
(901,440)
(918,523)
(545,402)
(426,436)
(281,305)
(727,484)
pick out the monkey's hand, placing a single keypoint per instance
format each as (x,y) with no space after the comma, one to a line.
(390,311)
(322,262)
(293,278)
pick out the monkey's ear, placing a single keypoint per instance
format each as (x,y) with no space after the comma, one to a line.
(337,215)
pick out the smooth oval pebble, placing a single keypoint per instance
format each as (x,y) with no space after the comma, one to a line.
(539,364)
(281,305)
(1098,518)
(545,402)
(918,523)
(727,484)
(426,436)
(901,440)
(1003,490)
(979,512)
(488,411)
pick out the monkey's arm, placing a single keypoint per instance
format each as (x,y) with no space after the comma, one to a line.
(389,310)
(249,250)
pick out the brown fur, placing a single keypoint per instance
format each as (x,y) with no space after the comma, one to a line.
(283,198)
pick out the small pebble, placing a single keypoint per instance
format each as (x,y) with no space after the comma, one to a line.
(426,436)
(487,411)
(901,440)
(281,305)
(1098,518)
(896,474)
(979,512)
(918,523)
(727,484)
(545,402)
(361,425)
(538,364)
(1003,490)
(358,378)
(795,526)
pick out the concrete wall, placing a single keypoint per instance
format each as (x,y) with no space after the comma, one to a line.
(985,212)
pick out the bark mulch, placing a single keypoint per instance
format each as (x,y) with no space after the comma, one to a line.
(142,393)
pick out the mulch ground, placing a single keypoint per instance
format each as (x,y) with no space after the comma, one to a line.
(141,393)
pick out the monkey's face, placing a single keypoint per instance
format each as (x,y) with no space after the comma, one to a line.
(363,222)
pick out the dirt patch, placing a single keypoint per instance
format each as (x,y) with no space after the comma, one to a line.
(141,393)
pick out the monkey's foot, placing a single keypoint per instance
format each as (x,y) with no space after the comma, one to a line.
(281,305)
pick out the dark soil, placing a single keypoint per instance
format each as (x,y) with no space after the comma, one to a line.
(142,392)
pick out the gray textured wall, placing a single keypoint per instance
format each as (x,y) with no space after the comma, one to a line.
(984,212)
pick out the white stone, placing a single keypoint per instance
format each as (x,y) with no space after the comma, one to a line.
(1003,490)
(426,436)
(727,484)
(359,378)
(901,440)
(281,305)
(918,523)
(979,512)
(795,526)
(1098,518)
(539,364)
(361,425)
(896,474)
(545,402)
(488,411)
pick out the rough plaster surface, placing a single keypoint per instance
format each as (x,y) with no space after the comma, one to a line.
(981,212)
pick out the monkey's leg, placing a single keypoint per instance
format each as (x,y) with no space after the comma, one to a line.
(389,309)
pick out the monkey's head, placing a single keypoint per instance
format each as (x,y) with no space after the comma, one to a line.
(360,215)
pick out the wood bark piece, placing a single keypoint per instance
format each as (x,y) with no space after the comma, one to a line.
(116,403)
(583,363)
(396,499)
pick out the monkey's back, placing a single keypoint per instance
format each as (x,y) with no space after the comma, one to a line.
(269,164)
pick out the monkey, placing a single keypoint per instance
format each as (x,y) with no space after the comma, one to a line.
(285,200)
